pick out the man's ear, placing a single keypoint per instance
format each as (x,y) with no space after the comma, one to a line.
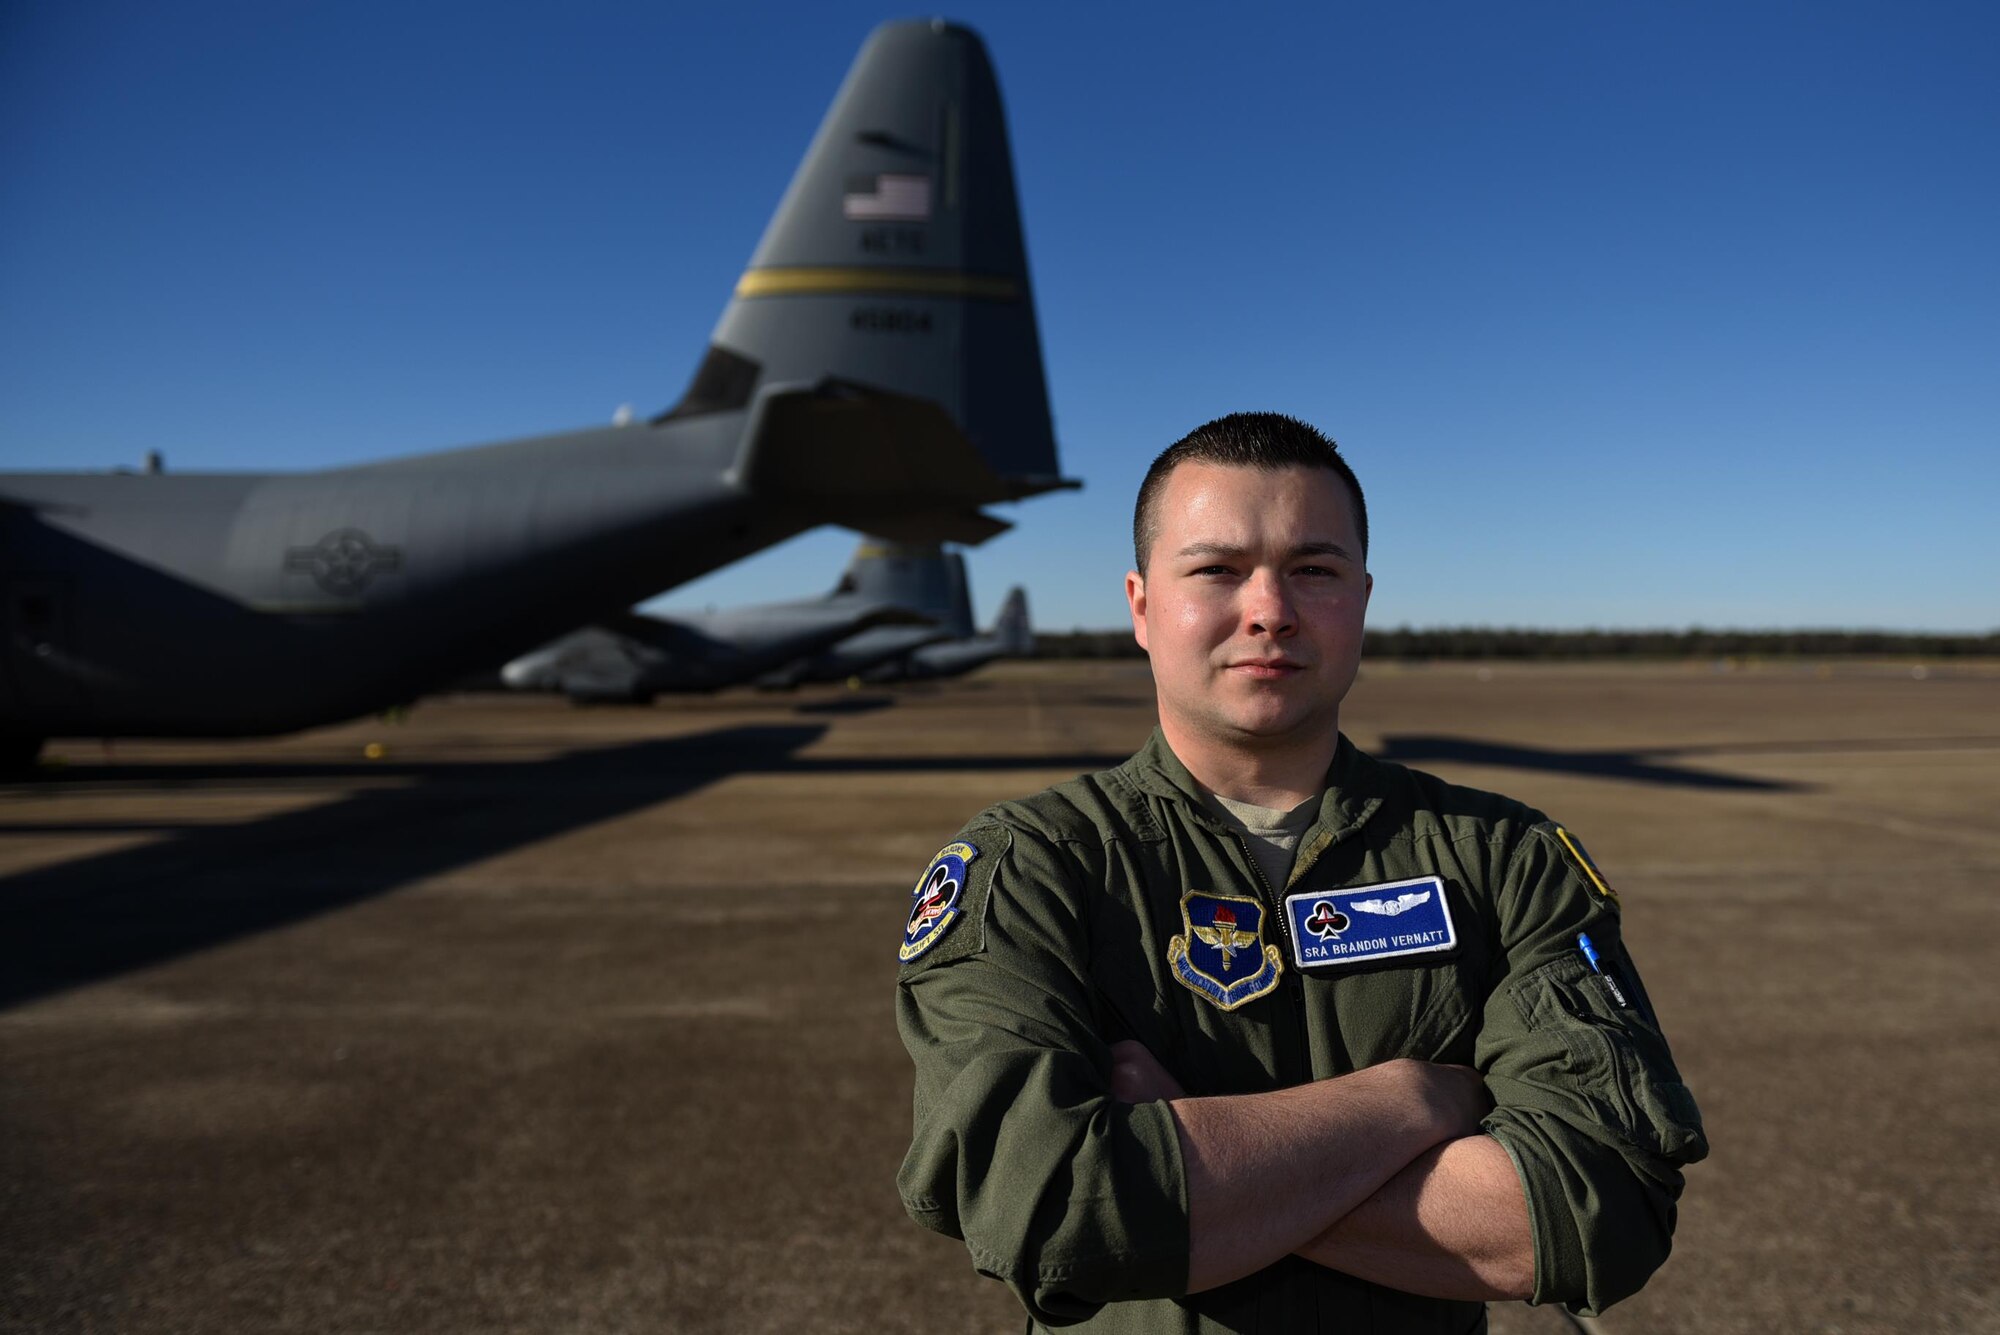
(1135,598)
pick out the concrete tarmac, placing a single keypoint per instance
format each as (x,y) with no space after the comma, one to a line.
(562,1020)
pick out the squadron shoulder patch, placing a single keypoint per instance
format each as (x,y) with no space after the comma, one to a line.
(1370,922)
(935,903)
(1222,954)
(1574,847)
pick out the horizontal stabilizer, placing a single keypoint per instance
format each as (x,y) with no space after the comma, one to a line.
(876,461)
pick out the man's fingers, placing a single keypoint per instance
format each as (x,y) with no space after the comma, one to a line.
(1137,1076)
(1127,1073)
(1468,1093)
(1125,1083)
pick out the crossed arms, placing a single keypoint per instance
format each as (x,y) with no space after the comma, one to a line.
(1380,1173)
(1077,1172)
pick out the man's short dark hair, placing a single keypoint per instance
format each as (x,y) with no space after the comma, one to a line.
(1243,440)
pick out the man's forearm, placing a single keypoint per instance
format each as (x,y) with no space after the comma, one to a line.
(1453,1224)
(1268,1173)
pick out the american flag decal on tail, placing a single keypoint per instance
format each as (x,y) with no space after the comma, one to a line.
(888,197)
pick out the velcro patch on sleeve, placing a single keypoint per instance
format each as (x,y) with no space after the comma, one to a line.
(1573,846)
(947,910)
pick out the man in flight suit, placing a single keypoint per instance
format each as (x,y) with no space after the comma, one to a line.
(1255,1032)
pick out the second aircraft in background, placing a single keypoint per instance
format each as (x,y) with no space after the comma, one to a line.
(900,611)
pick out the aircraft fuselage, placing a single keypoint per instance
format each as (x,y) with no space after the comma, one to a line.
(239,604)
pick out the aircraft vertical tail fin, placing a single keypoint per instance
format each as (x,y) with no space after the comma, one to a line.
(917,577)
(893,275)
(1012,627)
(962,626)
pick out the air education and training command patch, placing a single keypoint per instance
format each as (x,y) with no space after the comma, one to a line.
(1222,955)
(1574,846)
(935,905)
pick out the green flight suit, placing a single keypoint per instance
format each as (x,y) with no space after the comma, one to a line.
(1056,943)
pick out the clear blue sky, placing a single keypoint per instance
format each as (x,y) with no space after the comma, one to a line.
(1627,314)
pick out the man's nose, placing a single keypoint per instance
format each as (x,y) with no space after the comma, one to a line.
(1267,605)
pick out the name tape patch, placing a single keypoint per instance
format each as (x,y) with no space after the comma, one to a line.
(1370,922)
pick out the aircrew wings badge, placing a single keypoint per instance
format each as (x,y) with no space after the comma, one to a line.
(934,903)
(1574,847)
(1223,955)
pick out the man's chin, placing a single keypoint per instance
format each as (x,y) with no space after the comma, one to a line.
(1260,729)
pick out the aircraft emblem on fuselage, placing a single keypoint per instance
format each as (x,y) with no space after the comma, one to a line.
(344,561)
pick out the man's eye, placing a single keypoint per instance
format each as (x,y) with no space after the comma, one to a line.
(1327,572)
(1212,570)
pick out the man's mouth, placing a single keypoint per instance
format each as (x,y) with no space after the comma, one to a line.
(1267,669)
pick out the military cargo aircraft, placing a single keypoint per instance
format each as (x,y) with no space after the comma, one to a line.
(630,659)
(877,367)
(921,577)
(634,657)
(1011,637)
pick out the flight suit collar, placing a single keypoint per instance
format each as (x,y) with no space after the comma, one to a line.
(1352,793)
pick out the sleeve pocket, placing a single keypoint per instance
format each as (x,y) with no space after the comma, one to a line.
(1618,1059)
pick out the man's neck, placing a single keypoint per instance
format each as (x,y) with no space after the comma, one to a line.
(1279,776)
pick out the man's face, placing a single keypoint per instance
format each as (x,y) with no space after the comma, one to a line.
(1252,602)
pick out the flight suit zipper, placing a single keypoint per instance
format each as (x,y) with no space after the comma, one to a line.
(1292,982)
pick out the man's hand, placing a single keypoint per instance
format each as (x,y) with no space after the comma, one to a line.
(1456,1095)
(1138,1077)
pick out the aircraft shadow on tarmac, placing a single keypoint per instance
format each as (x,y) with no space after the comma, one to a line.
(78,922)
(1635,766)
(97,917)
(1839,746)
(1064,763)
(847,704)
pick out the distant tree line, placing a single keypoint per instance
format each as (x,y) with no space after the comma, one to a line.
(1449,642)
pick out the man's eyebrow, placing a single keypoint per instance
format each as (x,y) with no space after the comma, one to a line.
(1322,549)
(1303,549)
